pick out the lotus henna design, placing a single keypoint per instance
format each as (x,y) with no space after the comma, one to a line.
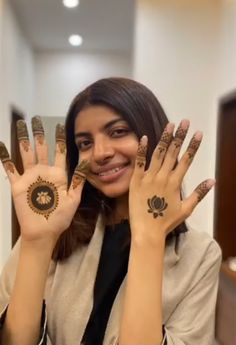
(43,198)
(157,206)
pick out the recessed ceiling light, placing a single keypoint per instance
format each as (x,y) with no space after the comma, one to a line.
(75,40)
(70,3)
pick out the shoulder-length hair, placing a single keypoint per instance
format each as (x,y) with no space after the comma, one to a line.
(144,114)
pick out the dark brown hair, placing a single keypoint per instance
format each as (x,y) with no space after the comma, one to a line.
(144,114)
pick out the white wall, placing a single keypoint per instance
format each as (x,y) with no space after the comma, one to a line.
(17,88)
(228,47)
(59,77)
(177,46)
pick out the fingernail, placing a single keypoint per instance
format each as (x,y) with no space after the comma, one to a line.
(185,124)
(170,127)
(198,135)
(144,140)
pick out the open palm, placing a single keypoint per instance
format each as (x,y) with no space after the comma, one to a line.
(44,204)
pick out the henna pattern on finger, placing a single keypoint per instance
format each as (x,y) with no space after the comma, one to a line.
(37,128)
(164,141)
(80,173)
(5,158)
(9,166)
(193,147)
(179,136)
(156,206)
(141,155)
(202,190)
(61,138)
(22,134)
(42,197)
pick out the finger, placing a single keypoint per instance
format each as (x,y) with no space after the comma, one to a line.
(26,151)
(188,157)
(78,179)
(60,155)
(7,163)
(198,194)
(140,160)
(41,148)
(160,150)
(174,147)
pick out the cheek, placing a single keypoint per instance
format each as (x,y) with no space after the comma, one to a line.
(130,150)
(84,156)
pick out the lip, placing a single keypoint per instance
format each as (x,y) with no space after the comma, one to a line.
(114,176)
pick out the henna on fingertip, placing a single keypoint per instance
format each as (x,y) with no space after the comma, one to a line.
(194,145)
(5,159)
(23,135)
(166,139)
(61,138)
(142,152)
(80,173)
(38,130)
(203,188)
(181,133)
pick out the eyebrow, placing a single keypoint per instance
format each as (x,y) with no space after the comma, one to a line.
(107,126)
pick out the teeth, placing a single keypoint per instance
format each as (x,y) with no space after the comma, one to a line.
(110,171)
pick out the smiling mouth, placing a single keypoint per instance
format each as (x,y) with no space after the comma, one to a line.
(112,171)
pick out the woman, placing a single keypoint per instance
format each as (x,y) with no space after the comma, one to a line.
(109,257)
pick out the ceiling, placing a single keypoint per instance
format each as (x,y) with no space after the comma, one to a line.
(105,25)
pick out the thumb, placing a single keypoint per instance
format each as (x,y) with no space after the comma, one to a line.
(78,179)
(197,195)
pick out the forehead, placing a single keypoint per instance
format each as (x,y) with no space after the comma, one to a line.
(95,116)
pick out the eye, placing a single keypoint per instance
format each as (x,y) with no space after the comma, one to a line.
(119,131)
(83,144)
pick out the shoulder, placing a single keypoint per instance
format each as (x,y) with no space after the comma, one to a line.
(199,242)
(200,247)
(194,248)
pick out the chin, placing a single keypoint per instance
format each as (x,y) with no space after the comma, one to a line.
(113,190)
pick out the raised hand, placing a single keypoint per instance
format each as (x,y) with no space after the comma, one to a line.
(155,203)
(44,204)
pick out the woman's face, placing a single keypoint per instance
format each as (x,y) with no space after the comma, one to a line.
(106,140)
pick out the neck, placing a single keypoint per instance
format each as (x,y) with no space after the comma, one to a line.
(121,210)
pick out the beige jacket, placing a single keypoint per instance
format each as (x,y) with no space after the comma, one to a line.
(189,291)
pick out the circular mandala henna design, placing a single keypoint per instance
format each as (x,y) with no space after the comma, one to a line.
(42,197)
(156,206)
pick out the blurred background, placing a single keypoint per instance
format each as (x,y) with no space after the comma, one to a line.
(183,50)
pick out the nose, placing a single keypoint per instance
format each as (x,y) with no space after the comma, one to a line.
(102,150)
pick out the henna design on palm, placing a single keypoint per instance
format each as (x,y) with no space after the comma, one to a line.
(42,197)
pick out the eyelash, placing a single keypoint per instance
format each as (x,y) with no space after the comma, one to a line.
(124,131)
